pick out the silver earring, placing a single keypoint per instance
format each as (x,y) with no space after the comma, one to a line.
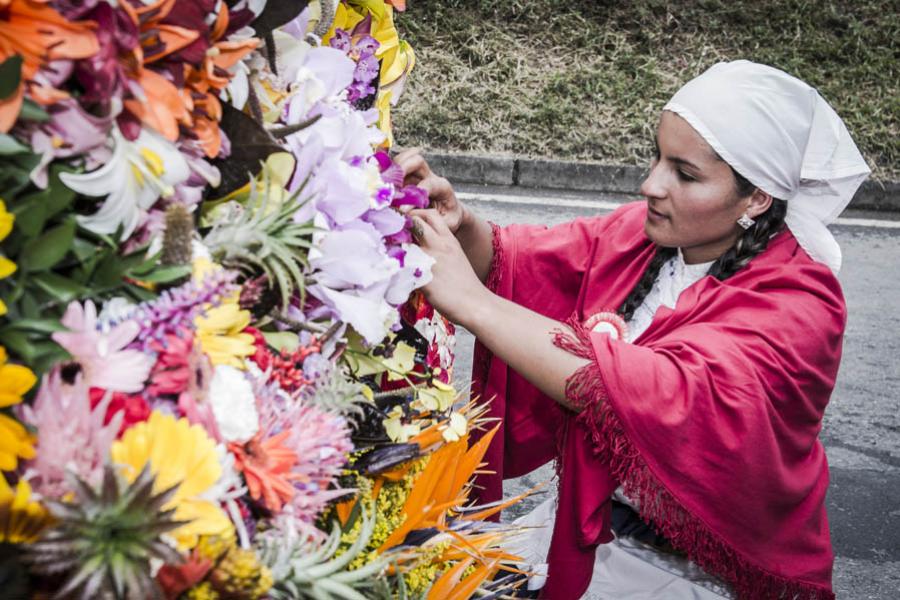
(745,221)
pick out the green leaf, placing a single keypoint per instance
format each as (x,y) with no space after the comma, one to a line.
(17,342)
(108,273)
(44,326)
(10,145)
(45,251)
(140,294)
(282,340)
(61,288)
(165,274)
(83,249)
(15,173)
(10,76)
(30,217)
(33,210)
(32,111)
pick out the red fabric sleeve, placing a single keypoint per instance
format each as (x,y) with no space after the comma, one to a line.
(540,268)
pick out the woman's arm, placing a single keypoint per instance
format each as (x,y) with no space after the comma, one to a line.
(474,233)
(521,338)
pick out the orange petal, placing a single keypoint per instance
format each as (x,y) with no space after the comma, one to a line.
(221,24)
(46,95)
(173,39)
(443,587)
(467,587)
(10,108)
(209,136)
(229,53)
(164,107)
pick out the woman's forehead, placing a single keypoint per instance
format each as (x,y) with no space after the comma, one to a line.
(675,135)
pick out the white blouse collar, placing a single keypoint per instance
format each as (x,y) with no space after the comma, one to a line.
(694,271)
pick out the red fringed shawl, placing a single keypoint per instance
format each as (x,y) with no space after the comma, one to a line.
(710,419)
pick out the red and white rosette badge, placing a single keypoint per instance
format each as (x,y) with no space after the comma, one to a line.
(607,322)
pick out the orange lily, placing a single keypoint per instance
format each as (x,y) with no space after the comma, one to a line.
(160,39)
(38,34)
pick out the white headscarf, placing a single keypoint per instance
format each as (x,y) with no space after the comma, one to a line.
(784,138)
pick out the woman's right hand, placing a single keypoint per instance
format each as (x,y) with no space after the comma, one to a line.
(417,172)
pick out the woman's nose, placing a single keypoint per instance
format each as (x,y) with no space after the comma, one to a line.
(654,185)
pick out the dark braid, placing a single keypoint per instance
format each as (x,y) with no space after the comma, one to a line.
(643,287)
(753,240)
(750,243)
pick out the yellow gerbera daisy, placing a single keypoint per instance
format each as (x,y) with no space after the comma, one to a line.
(178,453)
(219,331)
(15,441)
(21,519)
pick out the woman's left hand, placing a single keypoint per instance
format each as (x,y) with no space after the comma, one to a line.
(455,290)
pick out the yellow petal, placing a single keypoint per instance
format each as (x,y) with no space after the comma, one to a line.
(178,453)
(15,380)
(7,267)
(6,220)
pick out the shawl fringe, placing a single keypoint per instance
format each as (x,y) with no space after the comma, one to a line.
(482,359)
(657,505)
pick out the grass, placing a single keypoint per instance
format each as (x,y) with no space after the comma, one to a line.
(587,80)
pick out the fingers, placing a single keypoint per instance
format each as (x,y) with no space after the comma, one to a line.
(438,189)
(422,231)
(434,219)
(414,166)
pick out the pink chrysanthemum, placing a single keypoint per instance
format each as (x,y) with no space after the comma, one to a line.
(72,435)
(103,357)
(321,441)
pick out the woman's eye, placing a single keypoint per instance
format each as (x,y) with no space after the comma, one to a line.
(685,176)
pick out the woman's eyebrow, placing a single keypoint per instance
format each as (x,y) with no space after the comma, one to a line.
(683,161)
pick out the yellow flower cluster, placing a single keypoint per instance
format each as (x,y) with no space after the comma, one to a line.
(178,453)
(7,267)
(419,578)
(15,441)
(220,330)
(21,519)
(388,509)
(241,575)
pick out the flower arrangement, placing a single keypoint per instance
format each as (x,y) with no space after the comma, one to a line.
(217,379)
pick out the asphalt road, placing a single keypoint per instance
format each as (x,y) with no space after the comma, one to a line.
(861,431)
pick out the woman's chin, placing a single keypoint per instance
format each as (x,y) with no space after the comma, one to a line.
(658,232)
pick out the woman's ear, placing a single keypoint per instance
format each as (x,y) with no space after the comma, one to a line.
(758,203)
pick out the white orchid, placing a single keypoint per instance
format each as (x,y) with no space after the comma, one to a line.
(137,175)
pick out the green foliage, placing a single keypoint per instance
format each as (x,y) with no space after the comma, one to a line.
(59,262)
(257,233)
(10,75)
(105,539)
(587,80)
(318,570)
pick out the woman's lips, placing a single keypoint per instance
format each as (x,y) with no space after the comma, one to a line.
(655,215)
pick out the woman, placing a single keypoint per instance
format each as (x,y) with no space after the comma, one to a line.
(676,355)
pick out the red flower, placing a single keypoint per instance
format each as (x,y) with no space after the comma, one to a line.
(173,370)
(134,406)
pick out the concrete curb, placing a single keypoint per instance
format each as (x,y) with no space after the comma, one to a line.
(594,177)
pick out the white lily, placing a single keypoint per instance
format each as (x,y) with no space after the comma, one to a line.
(137,175)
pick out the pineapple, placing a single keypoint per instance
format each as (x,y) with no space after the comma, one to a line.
(104,539)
